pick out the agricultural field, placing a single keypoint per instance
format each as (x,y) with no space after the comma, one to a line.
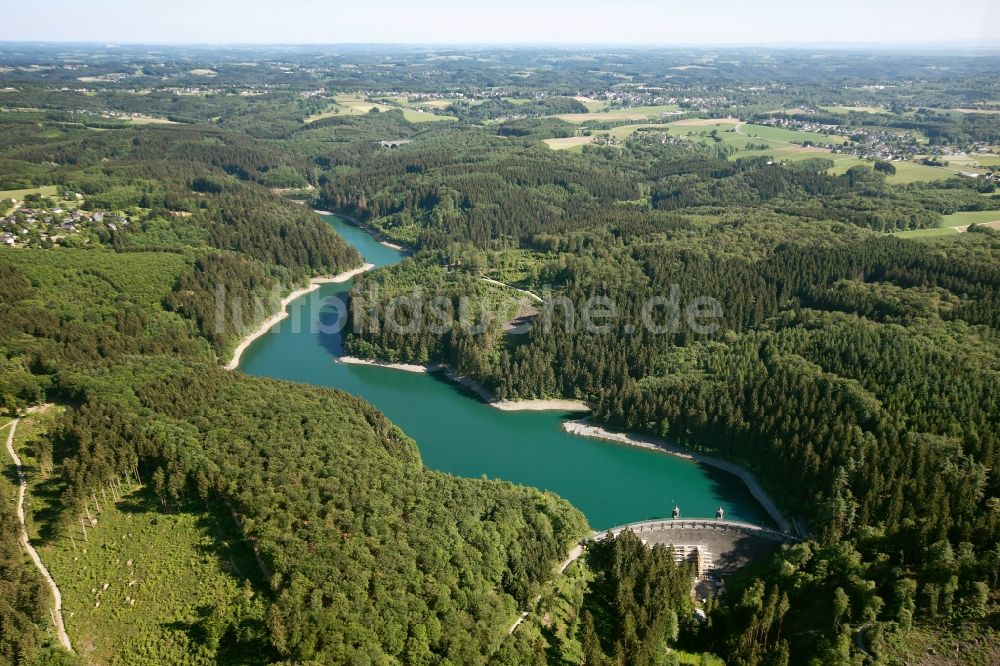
(632,113)
(148,120)
(970,217)
(974,161)
(783,144)
(570,142)
(912,172)
(353,105)
(433,103)
(45,191)
(974,110)
(781,136)
(623,131)
(593,105)
(53,192)
(418,116)
(906,172)
(927,233)
(849,109)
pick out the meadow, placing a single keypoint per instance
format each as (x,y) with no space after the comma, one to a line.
(975,160)
(45,191)
(906,172)
(970,217)
(593,105)
(927,233)
(352,105)
(858,109)
(783,145)
(571,143)
(631,113)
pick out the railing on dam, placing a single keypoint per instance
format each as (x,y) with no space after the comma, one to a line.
(687,524)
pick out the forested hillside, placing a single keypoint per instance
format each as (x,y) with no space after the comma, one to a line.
(827,206)
(364,554)
(855,372)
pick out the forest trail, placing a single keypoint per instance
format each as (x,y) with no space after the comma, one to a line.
(571,557)
(535,297)
(22,488)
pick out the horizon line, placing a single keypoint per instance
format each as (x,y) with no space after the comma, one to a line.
(796,45)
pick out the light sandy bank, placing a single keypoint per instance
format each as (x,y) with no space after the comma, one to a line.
(556,405)
(539,405)
(405,367)
(273,320)
(585,428)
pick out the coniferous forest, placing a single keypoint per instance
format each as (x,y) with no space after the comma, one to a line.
(840,214)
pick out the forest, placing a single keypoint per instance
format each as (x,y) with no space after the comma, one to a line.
(121,329)
(854,368)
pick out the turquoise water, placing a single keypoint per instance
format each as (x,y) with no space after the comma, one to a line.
(611,483)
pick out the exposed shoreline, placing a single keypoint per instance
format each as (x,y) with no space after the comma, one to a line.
(584,428)
(282,313)
(539,405)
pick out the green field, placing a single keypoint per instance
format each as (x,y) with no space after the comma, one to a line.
(45,191)
(784,144)
(623,131)
(593,105)
(848,109)
(906,172)
(436,103)
(631,113)
(572,143)
(970,217)
(926,233)
(415,116)
(781,136)
(51,191)
(352,105)
(975,110)
(977,160)
(911,172)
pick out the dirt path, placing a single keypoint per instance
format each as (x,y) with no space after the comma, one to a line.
(530,294)
(22,488)
(965,227)
(572,556)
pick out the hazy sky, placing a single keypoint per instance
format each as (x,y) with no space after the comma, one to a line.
(912,22)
